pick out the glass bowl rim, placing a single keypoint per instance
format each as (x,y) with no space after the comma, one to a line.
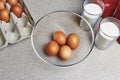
(56,65)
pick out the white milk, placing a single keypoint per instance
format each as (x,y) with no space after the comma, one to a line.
(107,35)
(91,13)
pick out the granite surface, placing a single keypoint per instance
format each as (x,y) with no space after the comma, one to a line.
(19,62)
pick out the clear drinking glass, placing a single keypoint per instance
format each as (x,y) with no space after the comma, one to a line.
(108,32)
(92,11)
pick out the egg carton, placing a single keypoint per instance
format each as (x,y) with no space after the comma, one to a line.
(16,29)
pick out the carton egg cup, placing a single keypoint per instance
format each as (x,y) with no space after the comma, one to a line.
(17,29)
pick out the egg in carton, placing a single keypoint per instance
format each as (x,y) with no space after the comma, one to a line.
(21,22)
(18,28)
(24,27)
(27,28)
(10,31)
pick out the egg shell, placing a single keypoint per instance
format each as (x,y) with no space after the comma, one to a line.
(52,48)
(59,37)
(73,41)
(65,52)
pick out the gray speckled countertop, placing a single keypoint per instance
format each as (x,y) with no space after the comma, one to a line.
(19,62)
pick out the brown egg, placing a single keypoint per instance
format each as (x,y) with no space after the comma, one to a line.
(17,10)
(52,48)
(5,15)
(59,37)
(12,2)
(73,41)
(65,52)
(2,4)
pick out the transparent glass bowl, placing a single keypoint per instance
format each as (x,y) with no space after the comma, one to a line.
(68,22)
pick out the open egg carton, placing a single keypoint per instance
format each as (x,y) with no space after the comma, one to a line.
(17,28)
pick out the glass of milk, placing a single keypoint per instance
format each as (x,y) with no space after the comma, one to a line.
(92,10)
(108,32)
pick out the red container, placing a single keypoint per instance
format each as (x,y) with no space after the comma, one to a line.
(110,6)
(117,12)
(117,15)
(118,40)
